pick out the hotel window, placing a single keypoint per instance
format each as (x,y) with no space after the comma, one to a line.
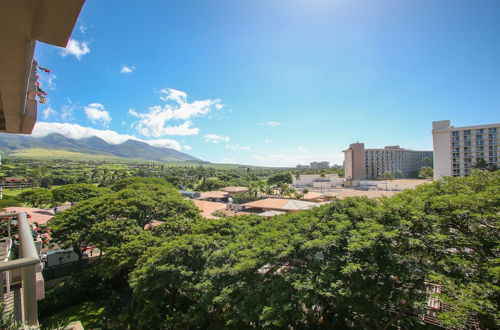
(467,143)
(492,130)
(479,131)
(467,132)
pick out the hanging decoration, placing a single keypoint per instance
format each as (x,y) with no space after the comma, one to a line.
(40,92)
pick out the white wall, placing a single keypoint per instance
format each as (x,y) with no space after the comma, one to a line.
(308,180)
(442,154)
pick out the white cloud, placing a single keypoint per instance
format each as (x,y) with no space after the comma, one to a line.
(67,111)
(301,148)
(75,131)
(154,122)
(96,113)
(182,129)
(186,147)
(270,124)
(170,94)
(82,28)
(48,112)
(228,160)
(237,147)
(127,69)
(214,138)
(165,143)
(48,81)
(267,141)
(76,48)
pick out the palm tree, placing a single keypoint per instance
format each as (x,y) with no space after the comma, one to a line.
(322,175)
(387,176)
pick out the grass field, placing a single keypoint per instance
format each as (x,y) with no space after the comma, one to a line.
(89,313)
(40,153)
(14,192)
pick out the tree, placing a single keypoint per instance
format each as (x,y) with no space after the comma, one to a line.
(387,176)
(77,192)
(38,197)
(72,227)
(426,172)
(353,263)
(481,164)
(134,180)
(9,201)
(139,202)
(398,174)
(242,197)
(40,173)
(283,178)
(426,162)
(210,184)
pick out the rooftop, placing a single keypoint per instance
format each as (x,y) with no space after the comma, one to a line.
(207,208)
(287,205)
(234,189)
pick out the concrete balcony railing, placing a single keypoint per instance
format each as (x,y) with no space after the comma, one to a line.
(21,279)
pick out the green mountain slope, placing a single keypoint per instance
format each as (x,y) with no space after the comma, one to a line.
(58,146)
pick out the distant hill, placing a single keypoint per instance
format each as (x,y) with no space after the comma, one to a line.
(93,147)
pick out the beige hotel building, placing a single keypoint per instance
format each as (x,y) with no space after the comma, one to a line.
(457,149)
(369,164)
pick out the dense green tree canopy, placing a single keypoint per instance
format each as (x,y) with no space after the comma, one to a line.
(39,197)
(77,192)
(355,263)
(278,178)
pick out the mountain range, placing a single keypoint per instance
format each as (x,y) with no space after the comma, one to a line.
(12,144)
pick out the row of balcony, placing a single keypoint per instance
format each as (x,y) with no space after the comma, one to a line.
(20,276)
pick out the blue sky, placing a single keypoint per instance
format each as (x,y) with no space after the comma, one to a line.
(273,82)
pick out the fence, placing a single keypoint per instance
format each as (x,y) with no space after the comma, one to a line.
(53,272)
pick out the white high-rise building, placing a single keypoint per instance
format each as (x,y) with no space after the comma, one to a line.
(458,149)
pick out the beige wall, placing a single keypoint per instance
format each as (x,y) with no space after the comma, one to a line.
(354,161)
(441,142)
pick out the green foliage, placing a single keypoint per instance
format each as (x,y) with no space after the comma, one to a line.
(353,263)
(77,192)
(92,315)
(101,220)
(9,201)
(125,183)
(210,184)
(72,291)
(38,197)
(278,178)
(387,176)
(243,197)
(426,172)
